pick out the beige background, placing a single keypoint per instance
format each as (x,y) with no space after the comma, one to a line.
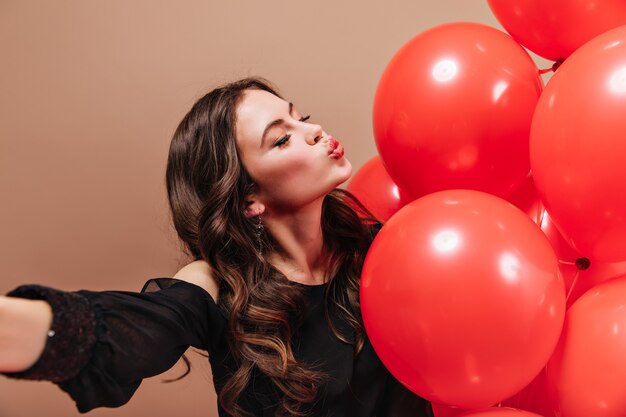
(91,92)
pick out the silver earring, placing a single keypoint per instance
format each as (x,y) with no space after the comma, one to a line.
(258,232)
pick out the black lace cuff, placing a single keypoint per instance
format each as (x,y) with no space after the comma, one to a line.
(71,337)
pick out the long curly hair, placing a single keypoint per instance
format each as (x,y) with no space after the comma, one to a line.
(207,187)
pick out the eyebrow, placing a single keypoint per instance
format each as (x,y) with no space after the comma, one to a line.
(273,124)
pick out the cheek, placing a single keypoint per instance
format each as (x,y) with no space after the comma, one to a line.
(292,174)
(292,170)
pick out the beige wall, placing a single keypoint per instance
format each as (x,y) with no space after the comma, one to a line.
(91,91)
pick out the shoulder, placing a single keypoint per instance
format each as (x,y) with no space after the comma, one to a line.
(201,274)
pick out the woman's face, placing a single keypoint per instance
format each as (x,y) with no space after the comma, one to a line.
(292,161)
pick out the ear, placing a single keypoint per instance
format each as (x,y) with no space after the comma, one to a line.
(253,207)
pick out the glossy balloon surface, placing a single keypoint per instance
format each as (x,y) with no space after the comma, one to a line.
(588,367)
(556,28)
(462,298)
(577,148)
(453,110)
(373,186)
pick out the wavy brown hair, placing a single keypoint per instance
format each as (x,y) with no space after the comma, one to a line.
(207,187)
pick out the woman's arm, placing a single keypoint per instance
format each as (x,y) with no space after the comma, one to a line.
(98,346)
(24,326)
(24,323)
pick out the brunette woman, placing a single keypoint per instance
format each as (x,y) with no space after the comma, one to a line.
(273,293)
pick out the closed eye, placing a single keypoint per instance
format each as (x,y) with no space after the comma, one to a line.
(283,140)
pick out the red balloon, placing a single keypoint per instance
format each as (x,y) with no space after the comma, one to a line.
(499,412)
(579,274)
(556,28)
(441,410)
(536,397)
(462,298)
(577,148)
(453,110)
(579,281)
(527,199)
(373,186)
(588,366)
(525,196)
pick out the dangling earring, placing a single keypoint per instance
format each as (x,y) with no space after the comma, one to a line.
(258,231)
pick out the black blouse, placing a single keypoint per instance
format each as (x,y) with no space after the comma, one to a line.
(103,344)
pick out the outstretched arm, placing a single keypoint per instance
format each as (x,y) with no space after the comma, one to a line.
(24,326)
(103,344)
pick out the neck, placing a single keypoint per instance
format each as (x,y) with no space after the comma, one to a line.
(299,236)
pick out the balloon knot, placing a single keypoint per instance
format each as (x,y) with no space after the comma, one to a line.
(553,68)
(583,263)
(557,64)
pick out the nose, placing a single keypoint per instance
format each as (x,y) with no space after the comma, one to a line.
(315,134)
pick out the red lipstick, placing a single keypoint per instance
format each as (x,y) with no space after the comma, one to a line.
(335,150)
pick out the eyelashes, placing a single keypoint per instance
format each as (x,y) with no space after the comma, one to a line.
(284,139)
(281,141)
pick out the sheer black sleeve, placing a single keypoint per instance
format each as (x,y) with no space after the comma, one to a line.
(103,344)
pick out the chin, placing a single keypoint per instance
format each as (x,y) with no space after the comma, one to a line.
(346,171)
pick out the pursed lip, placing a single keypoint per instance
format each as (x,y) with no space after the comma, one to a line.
(335,149)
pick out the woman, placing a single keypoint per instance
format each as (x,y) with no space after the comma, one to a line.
(273,295)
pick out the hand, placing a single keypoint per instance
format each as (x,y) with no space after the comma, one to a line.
(24,326)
